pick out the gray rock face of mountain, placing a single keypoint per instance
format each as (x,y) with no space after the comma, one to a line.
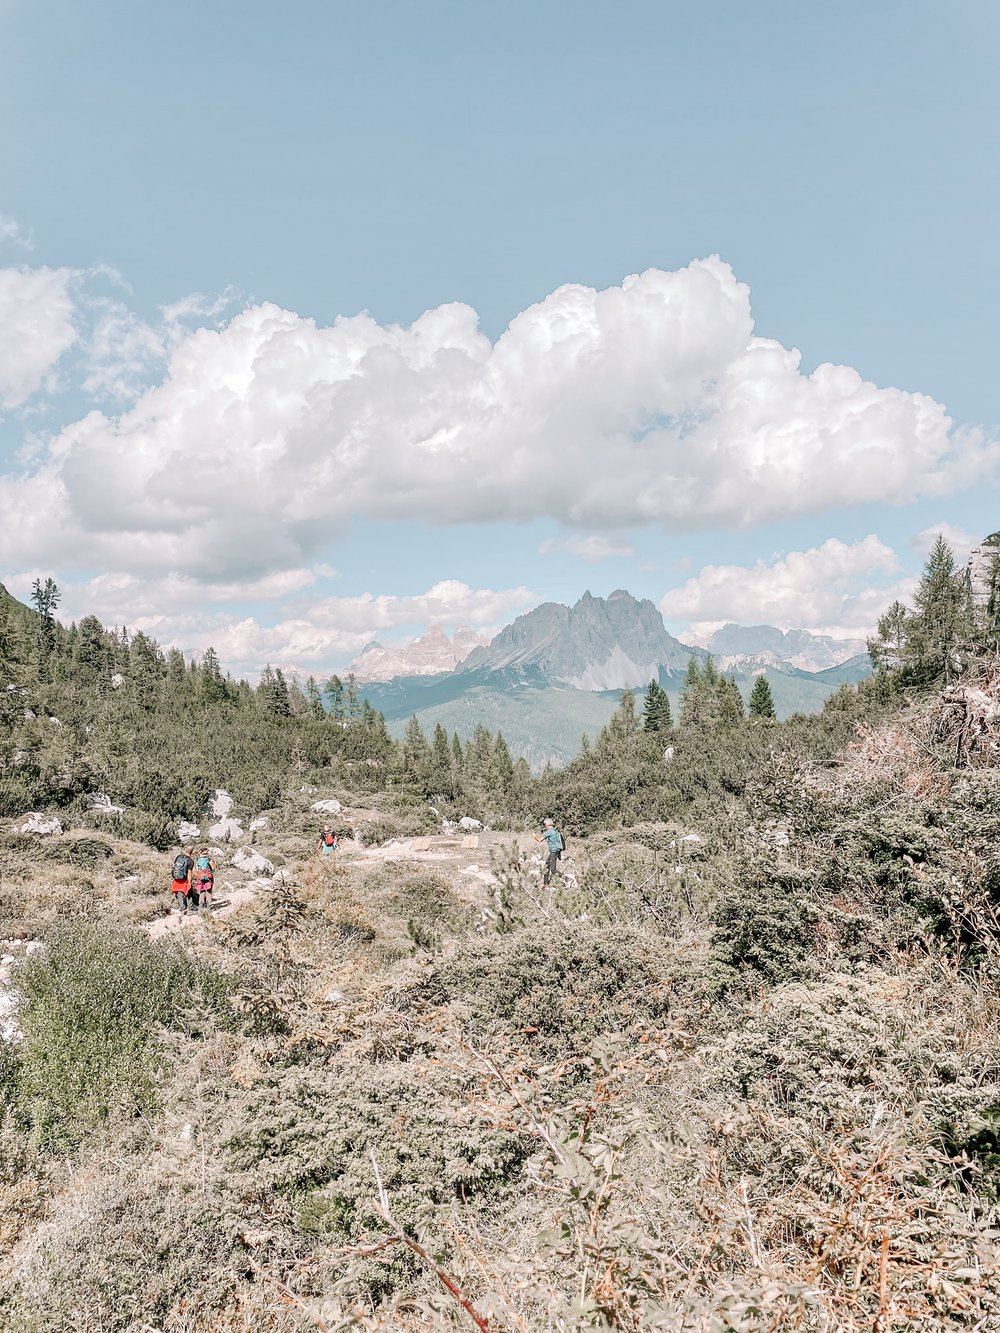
(611,643)
(982,565)
(796,647)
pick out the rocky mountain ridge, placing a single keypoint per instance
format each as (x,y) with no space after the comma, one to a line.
(746,647)
(431,654)
(613,643)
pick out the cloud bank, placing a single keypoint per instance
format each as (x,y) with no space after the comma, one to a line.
(36,329)
(652,402)
(837,588)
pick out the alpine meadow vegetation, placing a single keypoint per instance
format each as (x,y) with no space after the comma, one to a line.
(734,1071)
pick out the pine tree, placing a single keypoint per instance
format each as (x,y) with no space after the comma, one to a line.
(335,689)
(693,695)
(45,597)
(942,621)
(314,699)
(729,702)
(761,699)
(656,708)
(503,764)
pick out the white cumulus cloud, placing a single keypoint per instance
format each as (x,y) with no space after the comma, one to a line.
(960,541)
(36,328)
(837,588)
(651,402)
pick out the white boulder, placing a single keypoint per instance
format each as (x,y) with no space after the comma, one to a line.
(252,863)
(470,825)
(99,803)
(40,824)
(117,680)
(29,715)
(188,832)
(55,721)
(668,754)
(226,830)
(261,822)
(692,839)
(220,803)
(327,807)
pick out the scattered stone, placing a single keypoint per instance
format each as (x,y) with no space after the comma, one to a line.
(252,863)
(43,825)
(448,827)
(226,830)
(99,803)
(55,721)
(260,822)
(307,790)
(220,803)
(668,754)
(29,715)
(117,680)
(188,832)
(692,838)
(470,825)
(330,807)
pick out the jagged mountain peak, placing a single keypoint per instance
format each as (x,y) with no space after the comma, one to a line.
(599,643)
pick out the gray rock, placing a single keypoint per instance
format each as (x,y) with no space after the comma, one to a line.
(330,807)
(252,863)
(43,825)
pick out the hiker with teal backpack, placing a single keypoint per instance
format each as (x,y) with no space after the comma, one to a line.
(204,879)
(328,842)
(555,846)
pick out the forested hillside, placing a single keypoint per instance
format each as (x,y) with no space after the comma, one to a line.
(734,1070)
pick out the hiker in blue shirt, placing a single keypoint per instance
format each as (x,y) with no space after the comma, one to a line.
(555,843)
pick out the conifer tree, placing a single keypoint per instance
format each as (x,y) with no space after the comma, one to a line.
(314,699)
(693,695)
(335,689)
(761,699)
(729,702)
(45,597)
(656,708)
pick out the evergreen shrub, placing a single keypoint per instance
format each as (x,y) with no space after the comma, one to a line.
(562,985)
(91,1002)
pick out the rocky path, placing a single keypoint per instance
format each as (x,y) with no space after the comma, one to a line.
(167,925)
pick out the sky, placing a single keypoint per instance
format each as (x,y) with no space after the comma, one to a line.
(331,321)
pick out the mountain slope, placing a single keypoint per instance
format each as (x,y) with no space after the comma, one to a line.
(600,643)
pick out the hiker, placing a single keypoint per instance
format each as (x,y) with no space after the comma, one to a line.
(204,879)
(556,844)
(328,842)
(180,885)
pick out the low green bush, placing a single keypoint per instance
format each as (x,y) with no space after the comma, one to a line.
(90,1005)
(561,985)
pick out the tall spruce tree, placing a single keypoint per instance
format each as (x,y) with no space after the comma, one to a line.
(761,699)
(656,708)
(45,597)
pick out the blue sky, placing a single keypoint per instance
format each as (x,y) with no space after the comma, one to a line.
(166,168)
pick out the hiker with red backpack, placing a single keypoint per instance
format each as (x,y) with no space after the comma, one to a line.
(204,879)
(180,885)
(328,842)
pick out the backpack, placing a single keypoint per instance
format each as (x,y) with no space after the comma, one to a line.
(204,863)
(329,839)
(562,839)
(182,865)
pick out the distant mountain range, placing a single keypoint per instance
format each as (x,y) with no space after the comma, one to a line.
(557,671)
(739,646)
(429,655)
